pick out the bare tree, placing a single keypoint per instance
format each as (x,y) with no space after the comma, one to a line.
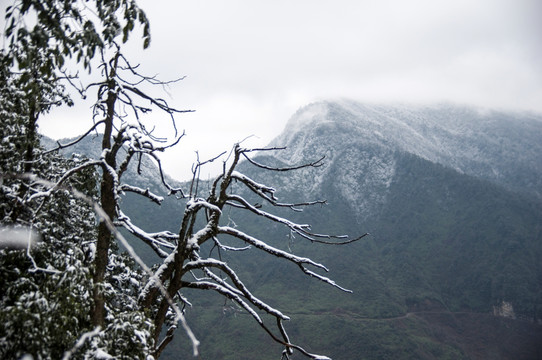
(122,131)
(128,136)
(185,267)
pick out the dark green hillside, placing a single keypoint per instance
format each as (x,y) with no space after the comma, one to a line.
(468,242)
(445,249)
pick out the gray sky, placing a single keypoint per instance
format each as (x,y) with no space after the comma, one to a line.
(251,64)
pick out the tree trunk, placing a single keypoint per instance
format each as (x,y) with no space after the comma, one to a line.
(29,146)
(108,203)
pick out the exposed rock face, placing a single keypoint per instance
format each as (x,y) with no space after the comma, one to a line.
(504,309)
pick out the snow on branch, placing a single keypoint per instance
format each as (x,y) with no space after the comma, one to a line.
(155,241)
(207,285)
(194,205)
(164,270)
(301,229)
(323,278)
(147,193)
(283,254)
(316,163)
(221,246)
(268,248)
(262,191)
(205,263)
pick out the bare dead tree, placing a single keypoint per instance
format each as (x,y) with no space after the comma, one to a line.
(115,96)
(179,267)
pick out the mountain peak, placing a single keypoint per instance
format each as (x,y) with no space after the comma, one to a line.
(493,145)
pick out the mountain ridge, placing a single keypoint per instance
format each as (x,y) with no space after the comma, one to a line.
(451,237)
(477,142)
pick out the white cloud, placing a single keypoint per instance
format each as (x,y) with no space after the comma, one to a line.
(250,65)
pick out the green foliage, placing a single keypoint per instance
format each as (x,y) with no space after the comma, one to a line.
(44,290)
(65,29)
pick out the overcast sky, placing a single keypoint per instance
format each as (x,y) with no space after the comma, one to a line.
(249,65)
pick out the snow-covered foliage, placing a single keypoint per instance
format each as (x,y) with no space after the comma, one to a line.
(46,288)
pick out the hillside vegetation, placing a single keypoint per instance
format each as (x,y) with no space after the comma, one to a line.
(451,198)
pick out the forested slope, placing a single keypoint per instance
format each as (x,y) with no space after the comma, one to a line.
(453,238)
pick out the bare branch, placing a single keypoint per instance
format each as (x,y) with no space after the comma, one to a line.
(301,229)
(340,242)
(150,79)
(160,103)
(171,189)
(316,163)
(267,248)
(196,172)
(147,193)
(63,146)
(200,263)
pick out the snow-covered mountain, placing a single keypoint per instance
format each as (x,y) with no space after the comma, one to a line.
(360,142)
(452,197)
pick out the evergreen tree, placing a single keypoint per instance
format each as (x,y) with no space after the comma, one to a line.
(45,286)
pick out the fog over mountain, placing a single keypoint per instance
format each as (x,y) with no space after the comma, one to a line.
(502,147)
